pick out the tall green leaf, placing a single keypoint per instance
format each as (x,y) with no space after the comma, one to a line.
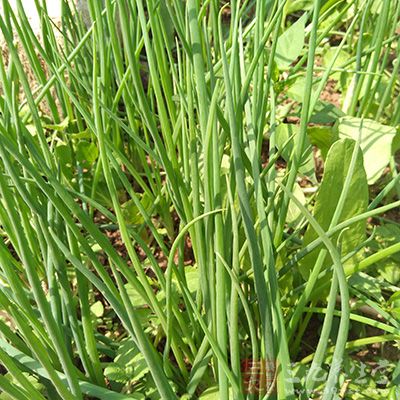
(336,168)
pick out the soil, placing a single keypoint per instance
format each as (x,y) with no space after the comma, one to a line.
(331,94)
(310,338)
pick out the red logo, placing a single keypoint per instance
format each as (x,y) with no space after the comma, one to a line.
(258,376)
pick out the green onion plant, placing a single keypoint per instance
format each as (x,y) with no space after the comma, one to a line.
(148,182)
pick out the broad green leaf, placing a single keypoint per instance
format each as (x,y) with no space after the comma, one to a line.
(192,281)
(212,393)
(323,137)
(376,143)
(376,6)
(142,309)
(296,89)
(368,285)
(86,134)
(139,365)
(336,169)
(297,5)
(117,373)
(97,309)
(132,213)
(291,43)
(283,133)
(128,365)
(396,142)
(150,388)
(389,271)
(325,113)
(394,302)
(31,129)
(62,126)
(396,312)
(5,396)
(395,299)
(135,298)
(225,164)
(341,60)
(386,236)
(38,386)
(294,213)
(192,278)
(86,153)
(102,194)
(64,157)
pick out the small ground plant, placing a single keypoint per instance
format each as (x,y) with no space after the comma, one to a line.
(200,200)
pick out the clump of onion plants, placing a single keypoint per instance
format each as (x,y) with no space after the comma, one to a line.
(179,206)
